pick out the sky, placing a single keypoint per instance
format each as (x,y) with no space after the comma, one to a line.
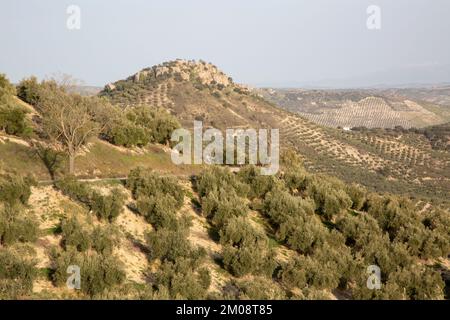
(280,43)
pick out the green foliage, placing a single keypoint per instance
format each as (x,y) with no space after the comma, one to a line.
(75,235)
(145,183)
(77,191)
(183,279)
(259,184)
(141,125)
(82,237)
(160,211)
(246,249)
(222,205)
(16,227)
(214,178)
(280,206)
(16,275)
(29,90)
(107,207)
(13,121)
(98,272)
(329,196)
(171,245)
(15,189)
(302,233)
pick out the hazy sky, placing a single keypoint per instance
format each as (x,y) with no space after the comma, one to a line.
(277,42)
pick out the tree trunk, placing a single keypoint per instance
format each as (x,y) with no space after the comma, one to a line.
(71,163)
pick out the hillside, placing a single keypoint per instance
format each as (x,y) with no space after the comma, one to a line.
(141,227)
(400,162)
(365,108)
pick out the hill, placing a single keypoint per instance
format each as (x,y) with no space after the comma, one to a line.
(365,108)
(399,162)
(140,227)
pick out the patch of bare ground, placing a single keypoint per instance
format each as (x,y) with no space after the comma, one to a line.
(131,250)
(200,237)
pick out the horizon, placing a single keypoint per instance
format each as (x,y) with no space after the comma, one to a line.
(292,44)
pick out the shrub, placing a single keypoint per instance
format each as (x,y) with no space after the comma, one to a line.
(125,133)
(151,184)
(170,245)
(302,234)
(329,197)
(104,240)
(29,90)
(74,189)
(160,211)
(16,275)
(15,189)
(14,122)
(75,235)
(182,279)
(214,178)
(222,205)
(246,249)
(98,272)
(15,227)
(107,207)
(259,185)
(305,271)
(280,206)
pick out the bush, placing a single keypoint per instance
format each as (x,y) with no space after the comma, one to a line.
(214,178)
(160,211)
(183,279)
(15,189)
(15,227)
(329,197)
(75,235)
(104,240)
(77,191)
(306,271)
(29,90)
(124,133)
(142,125)
(107,207)
(302,234)
(171,245)
(259,185)
(149,184)
(98,272)
(280,206)
(222,205)
(16,275)
(246,249)
(14,122)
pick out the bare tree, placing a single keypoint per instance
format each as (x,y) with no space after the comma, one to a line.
(67,120)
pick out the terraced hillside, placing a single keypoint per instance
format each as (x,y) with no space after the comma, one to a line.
(362,108)
(405,163)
